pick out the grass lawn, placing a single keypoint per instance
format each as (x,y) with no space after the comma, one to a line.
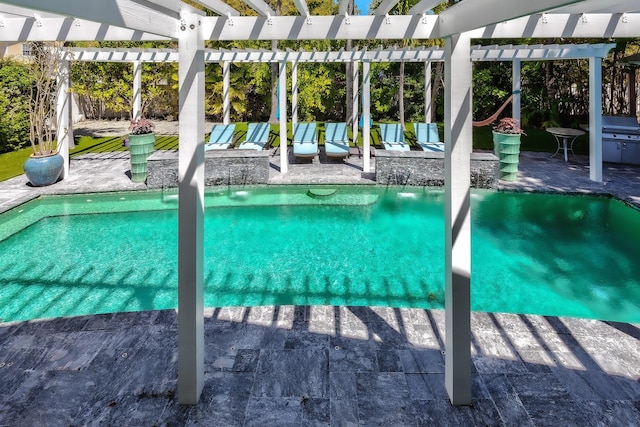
(535,140)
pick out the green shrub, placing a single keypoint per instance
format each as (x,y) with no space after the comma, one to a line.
(15,82)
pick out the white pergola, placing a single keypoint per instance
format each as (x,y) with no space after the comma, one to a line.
(511,53)
(68,20)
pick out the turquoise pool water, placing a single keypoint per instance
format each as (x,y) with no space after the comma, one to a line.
(531,253)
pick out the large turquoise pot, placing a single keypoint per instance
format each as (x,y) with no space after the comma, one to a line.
(43,170)
(140,147)
(507,148)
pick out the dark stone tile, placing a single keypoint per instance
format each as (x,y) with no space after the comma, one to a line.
(342,385)
(300,337)
(73,351)
(509,406)
(440,412)
(343,398)
(575,384)
(58,400)
(235,336)
(246,361)
(426,386)
(316,412)
(630,387)
(353,360)
(224,399)
(383,399)
(166,317)
(14,360)
(556,411)
(497,365)
(485,413)
(150,371)
(606,386)
(422,361)
(287,412)
(389,361)
(612,413)
(293,373)
(339,342)
(538,385)
(387,337)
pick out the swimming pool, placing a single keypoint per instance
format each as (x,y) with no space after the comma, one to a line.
(531,253)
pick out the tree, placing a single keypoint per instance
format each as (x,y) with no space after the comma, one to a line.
(15,81)
(44,70)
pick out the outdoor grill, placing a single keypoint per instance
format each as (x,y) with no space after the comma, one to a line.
(620,139)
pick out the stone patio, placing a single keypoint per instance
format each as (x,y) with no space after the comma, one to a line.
(320,365)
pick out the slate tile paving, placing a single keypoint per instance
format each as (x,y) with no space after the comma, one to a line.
(124,372)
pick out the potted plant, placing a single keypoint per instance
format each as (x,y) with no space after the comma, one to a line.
(140,141)
(506,146)
(44,166)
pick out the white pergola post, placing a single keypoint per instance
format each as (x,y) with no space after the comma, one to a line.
(354,101)
(458,146)
(366,114)
(191,211)
(294,94)
(226,87)
(427,91)
(595,119)
(137,90)
(282,101)
(516,77)
(64,133)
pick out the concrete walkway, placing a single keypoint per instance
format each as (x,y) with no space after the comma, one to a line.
(286,365)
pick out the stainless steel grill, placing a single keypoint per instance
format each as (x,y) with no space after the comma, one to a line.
(620,139)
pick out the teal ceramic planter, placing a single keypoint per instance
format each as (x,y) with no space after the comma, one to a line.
(507,149)
(140,147)
(43,170)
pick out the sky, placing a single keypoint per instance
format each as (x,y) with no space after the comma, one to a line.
(363,6)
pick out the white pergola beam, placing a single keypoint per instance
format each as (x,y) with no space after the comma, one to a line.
(600,6)
(417,27)
(385,7)
(321,28)
(219,7)
(469,15)
(13,11)
(141,15)
(68,29)
(554,25)
(477,53)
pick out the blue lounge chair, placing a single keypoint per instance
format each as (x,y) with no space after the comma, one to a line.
(257,136)
(427,137)
(221,137)
(305,141)
(392,136)
(336,142)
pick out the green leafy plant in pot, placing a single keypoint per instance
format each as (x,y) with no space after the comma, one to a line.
(506,146)
(44,166)
(140,141)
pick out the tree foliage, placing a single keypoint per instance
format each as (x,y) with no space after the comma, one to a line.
(15,81)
